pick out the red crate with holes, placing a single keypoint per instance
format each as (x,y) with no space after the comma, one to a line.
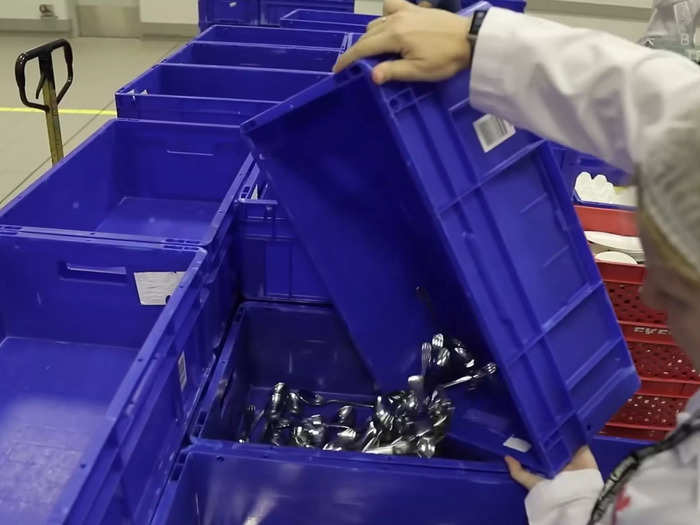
(668,377)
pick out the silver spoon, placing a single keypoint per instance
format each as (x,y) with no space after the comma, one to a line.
(465,357)
(399,447)
(486,371)
(316,400)
(251,416)
(278,399)
(426,352)
(425,447)
(383,418)
(344,440)
(345,416)
(416,384)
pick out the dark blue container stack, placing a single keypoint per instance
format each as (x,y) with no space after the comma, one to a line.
(153,287)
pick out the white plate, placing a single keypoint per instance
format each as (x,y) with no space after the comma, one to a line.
(619,243)
(615,257)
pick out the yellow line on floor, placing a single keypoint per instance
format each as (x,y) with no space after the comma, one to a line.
(106,112)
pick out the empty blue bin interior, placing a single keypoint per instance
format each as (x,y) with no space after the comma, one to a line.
(271,11)
(227,83)
(73,344)
(245,55)
(327,20)
(273,36)
(416,229)
(148,179)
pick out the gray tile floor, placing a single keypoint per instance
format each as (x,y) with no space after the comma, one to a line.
(102,65)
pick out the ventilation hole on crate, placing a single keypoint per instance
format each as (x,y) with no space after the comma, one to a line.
(83,465)
(139,359)
(220,458)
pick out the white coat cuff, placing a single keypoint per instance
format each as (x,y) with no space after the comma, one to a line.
(567,487)
(487,89)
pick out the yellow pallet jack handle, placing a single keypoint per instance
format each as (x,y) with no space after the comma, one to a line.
(47,86)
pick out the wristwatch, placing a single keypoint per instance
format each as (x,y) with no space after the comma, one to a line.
(477,21)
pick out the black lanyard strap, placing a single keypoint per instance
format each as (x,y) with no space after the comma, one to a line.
(625,470)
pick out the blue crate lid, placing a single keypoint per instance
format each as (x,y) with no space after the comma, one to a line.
(421,214)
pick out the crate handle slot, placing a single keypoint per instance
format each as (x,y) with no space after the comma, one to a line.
(114,274)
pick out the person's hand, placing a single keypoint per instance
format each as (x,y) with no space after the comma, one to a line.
(425,3)
(582,460)
(432,43)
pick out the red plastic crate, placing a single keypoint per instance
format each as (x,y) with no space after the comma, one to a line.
(665,369)
(646,417)
(668,377)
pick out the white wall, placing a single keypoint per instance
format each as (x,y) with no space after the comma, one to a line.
(169,11)
(111,3)
(30,8)
(625,28)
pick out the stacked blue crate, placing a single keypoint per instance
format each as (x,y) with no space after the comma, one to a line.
(260,12)
(151,198)
(326,20)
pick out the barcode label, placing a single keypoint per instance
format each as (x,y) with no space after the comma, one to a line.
(492,131)
(155,288)
(182,371)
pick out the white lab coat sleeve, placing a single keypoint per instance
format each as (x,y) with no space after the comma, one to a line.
(586,89)
(568,499)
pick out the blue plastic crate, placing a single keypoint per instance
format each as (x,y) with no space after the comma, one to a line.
(572,163)
(273,36)
(200,487)
(272,263)
(250,55)
(264,340)
(326,20)
(227,12)
(208,94)
(309,347)
(97,389)
(424,227)
(166,183)
(271,11)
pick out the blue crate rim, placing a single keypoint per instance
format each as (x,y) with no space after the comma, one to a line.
(224,208)
(213,28)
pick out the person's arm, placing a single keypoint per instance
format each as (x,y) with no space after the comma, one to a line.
(586,89)
(568,499)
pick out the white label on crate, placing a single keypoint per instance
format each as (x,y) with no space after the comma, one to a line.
(492,131)
(517,444)
(182,371)
(155,288)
